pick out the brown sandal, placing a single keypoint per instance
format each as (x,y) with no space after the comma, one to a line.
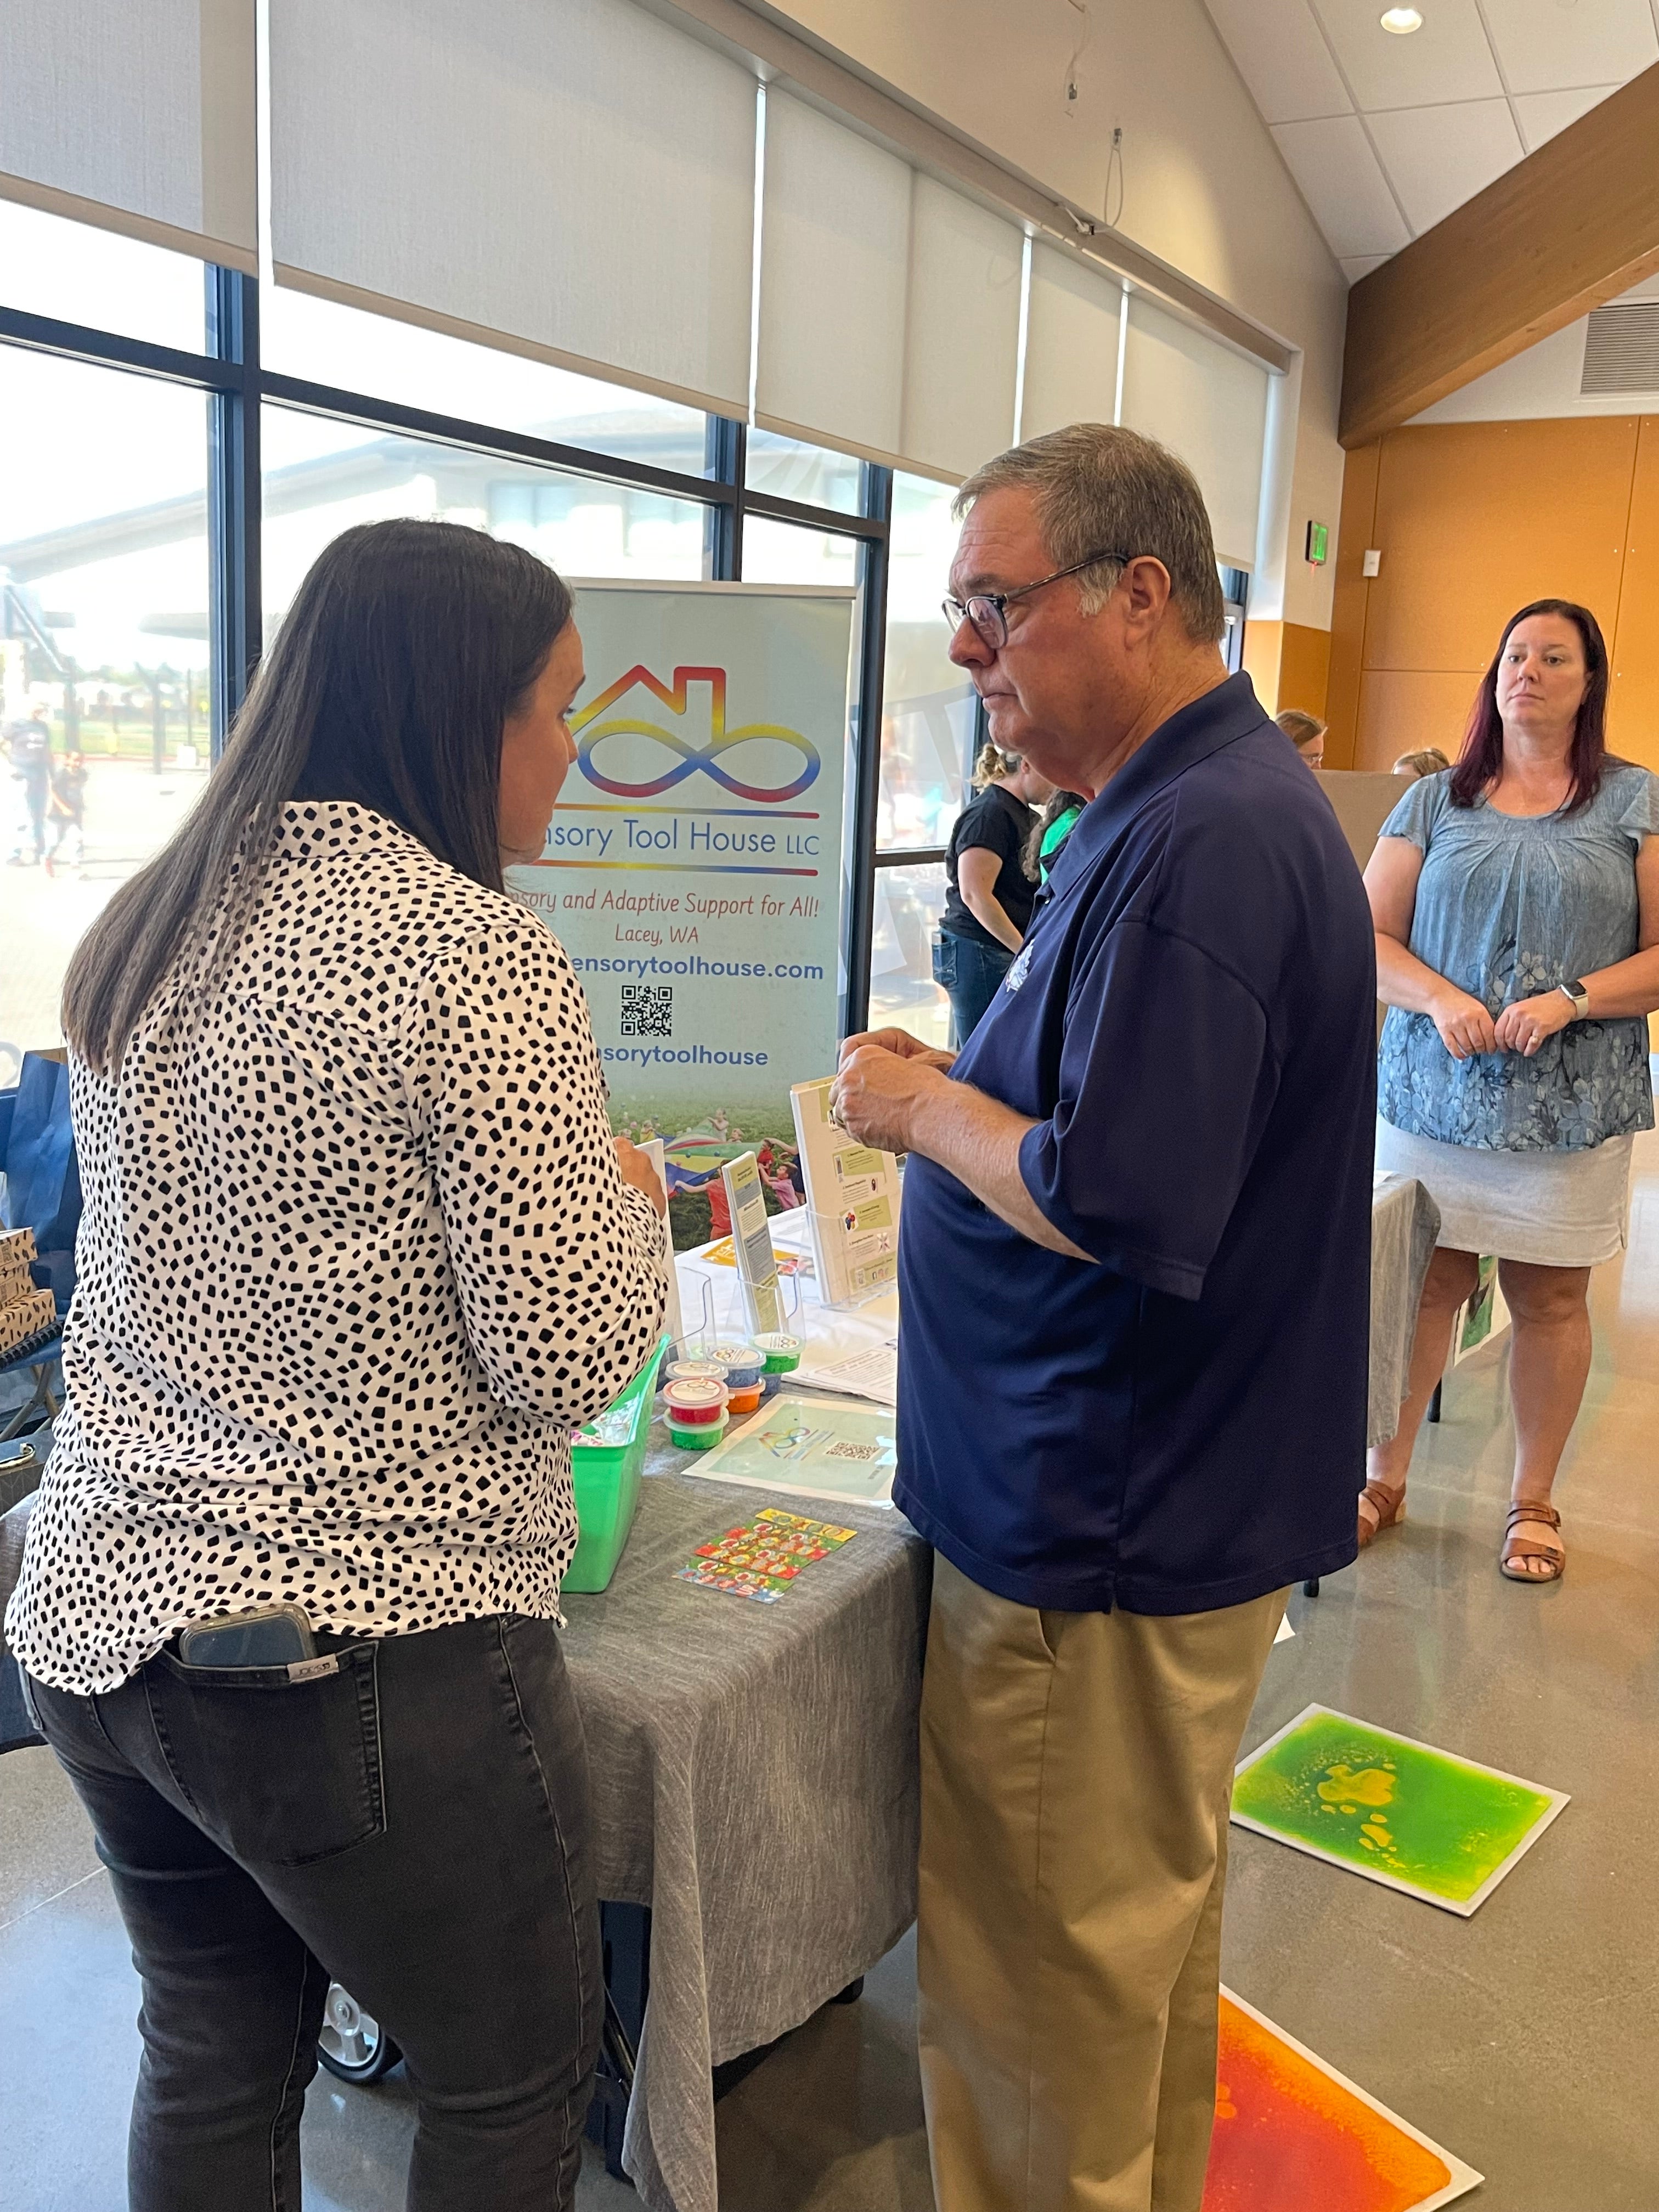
(1388,1505)
(1516,1550)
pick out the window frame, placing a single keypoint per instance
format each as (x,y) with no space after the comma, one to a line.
(230,373)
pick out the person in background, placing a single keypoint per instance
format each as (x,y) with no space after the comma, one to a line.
(1516,905)
(1430,761)
(359,1252)
(1135,1264)
(30,750)
(988,902)
(66,809)
(1049,832)
(1306,733)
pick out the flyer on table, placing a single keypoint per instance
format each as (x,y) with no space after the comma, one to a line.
(693,870)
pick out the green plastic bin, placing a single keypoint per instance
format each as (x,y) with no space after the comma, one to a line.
(606,1479)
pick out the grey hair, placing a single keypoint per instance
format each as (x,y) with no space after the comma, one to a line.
(1097,487)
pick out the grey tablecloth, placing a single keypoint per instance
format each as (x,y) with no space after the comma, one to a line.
(1404,1222)
(755,1783)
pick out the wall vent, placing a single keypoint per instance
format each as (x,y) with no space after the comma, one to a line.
(1621,348)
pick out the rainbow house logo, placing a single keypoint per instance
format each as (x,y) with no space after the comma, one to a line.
(595,726)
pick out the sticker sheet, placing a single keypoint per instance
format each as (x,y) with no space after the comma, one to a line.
(761,1559)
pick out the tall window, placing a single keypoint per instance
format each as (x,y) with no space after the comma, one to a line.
(929,724)
(104,654)
(182,444)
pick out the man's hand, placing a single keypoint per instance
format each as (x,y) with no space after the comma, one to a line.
(1524,1027)
(878,1093)
(637,1172)
(900,1042)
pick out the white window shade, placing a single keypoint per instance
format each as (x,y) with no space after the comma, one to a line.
(834,276)
(961,332)
(889,303)
(139,117)
(1071,345)
(1210,406)
(571,178)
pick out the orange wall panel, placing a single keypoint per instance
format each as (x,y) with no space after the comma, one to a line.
(1264,647)
(1633,711)
(1403,709)
(1475,519)
(1305,668)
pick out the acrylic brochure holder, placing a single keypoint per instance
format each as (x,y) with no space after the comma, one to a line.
(851,1203)
(751,1243)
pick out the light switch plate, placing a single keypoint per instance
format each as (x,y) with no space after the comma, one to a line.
(1371,564)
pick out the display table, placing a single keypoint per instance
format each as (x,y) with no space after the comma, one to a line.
(754,1784)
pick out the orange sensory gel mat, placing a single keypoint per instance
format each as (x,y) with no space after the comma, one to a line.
(1293,2136)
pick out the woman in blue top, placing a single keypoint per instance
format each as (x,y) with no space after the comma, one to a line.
(1516,904)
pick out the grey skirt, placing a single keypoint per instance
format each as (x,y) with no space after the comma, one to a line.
(1549,1209)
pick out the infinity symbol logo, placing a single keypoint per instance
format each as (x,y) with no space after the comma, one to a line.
(593,732)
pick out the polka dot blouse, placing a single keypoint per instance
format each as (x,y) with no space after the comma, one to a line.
(356,1258)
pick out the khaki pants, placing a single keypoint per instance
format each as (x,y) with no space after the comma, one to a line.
(1076,1777)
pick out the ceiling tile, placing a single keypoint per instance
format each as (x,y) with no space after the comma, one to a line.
(1332,162)
(1548,46)
(1450,59)
(1282,57)
(1543,113)
(1438,157)
(1361,265)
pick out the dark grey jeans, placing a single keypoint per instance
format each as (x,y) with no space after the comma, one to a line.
(416,1825)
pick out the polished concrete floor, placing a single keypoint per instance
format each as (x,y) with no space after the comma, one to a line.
(1525,2039)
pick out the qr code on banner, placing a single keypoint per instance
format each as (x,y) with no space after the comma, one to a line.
(844,1448)
(648,1010)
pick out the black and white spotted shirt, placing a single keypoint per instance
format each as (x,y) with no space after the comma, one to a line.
(356,1258)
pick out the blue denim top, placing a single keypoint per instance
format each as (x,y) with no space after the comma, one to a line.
(1507,908)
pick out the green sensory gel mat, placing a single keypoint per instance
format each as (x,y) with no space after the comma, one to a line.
(1400,1813)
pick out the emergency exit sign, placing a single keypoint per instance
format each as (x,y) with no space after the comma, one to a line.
(1319,538)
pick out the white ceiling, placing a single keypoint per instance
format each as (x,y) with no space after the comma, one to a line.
(1386,135)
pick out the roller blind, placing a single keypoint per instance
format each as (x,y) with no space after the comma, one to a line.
(575,176)
(889,303)
(1210,406)
(962,332)
(835,274)
(139,117)
(1071,345)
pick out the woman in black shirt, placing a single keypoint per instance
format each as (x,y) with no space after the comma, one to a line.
(988,906)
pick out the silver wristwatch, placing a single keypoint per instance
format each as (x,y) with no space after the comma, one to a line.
(1579,996)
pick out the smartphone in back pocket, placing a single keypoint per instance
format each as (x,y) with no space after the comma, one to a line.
(272,1636)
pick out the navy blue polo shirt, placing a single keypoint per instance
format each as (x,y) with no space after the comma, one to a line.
(1192,1027)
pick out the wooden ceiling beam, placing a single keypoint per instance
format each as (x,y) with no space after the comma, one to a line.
(1572,226)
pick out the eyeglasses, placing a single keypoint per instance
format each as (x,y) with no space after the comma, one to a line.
(989,610)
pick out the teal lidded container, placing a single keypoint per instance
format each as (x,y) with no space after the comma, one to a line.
(606,1457)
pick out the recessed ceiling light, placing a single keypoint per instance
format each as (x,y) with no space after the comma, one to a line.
(1401,20)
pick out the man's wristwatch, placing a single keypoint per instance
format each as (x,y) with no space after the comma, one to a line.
(1579,996)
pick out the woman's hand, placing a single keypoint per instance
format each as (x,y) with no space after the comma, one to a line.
(1464,1024)
(637,1172)
(1524,1027)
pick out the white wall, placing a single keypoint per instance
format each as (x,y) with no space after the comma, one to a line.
(1204,188)
(1542,381)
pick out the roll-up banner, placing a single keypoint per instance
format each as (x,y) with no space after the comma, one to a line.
(693,871)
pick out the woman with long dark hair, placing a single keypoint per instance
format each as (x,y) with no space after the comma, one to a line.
(359,1251)
(1516,904)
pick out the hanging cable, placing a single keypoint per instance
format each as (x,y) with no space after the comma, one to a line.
(1114,175)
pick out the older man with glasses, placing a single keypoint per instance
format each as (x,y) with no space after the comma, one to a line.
(1132,1365)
